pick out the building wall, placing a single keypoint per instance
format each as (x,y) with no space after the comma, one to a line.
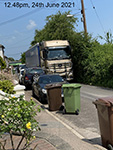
(1,52)
(7,62)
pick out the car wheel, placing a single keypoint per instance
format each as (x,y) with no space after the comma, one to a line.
(41,99)
(33,94)
(20,82)
(27,87)
(110,147)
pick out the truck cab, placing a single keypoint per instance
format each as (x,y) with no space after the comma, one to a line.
(56,57)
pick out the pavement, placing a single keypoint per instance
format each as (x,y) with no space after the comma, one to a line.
(61,136)
(55,134)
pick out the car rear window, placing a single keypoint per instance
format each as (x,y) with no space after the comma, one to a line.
(50,79)
(35,71)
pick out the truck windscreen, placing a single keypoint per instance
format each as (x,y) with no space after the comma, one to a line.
(58,53)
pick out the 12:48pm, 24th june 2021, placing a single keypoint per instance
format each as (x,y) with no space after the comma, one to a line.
(39,4)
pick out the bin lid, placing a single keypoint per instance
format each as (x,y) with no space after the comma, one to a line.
(72,85)
(49,86)
(108,101)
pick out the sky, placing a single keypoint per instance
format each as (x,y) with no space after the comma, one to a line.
(20,18)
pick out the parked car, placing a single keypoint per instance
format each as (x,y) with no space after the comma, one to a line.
(22,66)
(21,73)
(30,74)
(20,76)
(38,87)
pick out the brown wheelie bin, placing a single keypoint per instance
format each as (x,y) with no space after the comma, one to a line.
(54,96)
(105,115)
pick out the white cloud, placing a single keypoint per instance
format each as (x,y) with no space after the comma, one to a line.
(31,25)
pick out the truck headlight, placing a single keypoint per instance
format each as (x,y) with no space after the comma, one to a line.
(44,91)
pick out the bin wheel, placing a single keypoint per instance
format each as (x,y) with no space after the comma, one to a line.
(77,112)
(64,111)
(61,107)
(110,147)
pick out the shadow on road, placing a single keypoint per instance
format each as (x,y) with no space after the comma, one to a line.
(93,141)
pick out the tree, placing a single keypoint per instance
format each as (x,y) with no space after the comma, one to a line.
(58,27)
(2,63)
(23,58)
(39,36)
(108,37)
(11,59)
(81,45)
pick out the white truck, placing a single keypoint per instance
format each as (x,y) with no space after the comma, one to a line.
(53,56)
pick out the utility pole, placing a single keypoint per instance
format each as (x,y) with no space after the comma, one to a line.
(84,19)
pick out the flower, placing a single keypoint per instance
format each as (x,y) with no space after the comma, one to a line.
(6,122)
(31,98)
(13,96)
(2,116)
(34,129)
(28,125)
(34,137)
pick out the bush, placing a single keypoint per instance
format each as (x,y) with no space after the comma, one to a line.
(5,76)
(17,116)
(7,86)
(99,66)
(2,63)
(81,46)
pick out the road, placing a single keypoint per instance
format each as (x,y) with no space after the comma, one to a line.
(86,123)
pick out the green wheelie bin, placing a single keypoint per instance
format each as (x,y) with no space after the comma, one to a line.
(71,98)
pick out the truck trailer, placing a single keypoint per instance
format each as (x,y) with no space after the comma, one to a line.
(53,56)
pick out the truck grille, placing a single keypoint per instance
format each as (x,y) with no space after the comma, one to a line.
(60,66)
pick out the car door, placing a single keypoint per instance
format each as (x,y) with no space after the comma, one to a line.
(22,78)
(37,87)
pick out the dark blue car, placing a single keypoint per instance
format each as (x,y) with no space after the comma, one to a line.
(30,75)
(38,87)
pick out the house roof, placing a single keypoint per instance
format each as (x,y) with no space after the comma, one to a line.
(2,46)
